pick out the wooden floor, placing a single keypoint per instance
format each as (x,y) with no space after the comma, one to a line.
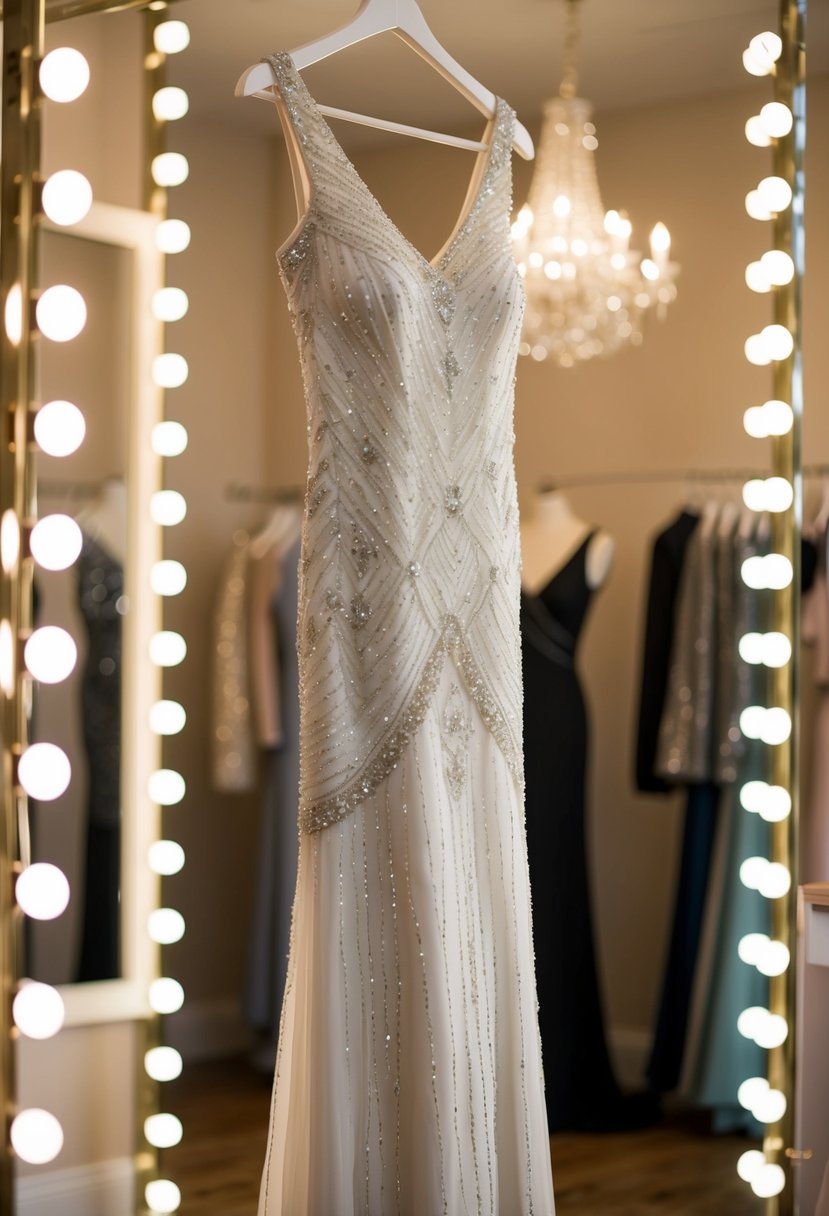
(674,1168)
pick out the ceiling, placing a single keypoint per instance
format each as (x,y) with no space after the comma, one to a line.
(633,52)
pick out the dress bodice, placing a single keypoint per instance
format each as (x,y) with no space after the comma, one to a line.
(410,550)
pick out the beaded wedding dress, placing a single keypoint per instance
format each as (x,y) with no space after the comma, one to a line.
(408,1078)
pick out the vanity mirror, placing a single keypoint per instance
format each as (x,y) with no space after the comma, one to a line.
(622,440)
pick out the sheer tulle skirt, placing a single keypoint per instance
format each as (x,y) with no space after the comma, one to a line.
(409,1073)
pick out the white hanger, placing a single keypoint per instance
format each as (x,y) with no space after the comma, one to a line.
(404,18)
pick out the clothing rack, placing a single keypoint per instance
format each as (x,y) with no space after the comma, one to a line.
(668,477)
(59,487)
(241,493)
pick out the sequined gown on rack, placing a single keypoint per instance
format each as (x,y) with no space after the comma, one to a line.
(408,1076)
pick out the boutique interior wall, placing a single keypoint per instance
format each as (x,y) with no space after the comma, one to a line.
(675,402)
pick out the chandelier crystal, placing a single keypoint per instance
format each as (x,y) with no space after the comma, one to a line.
(587,291)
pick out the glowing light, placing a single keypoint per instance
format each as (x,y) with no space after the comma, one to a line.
(67,197)
(168,577)
(768,1181)
(170,169)
(752,1091)
(171,37)
(44,771)
(756,351)
(42,891)
(56,542)
(170,370)
(750,1163)
(778,267)
(166,857)
(776,118)
(774,958)
(167,648)
(768,46)
(779,342)
(38,1010)
(50,654)
(169,438)
(756,133)
(770,1106)
(170,104)
(162,1196)
(167,718)
(775,193)
(36,1136)
(170,304)
(64,74)
(166,787)
(163,1131)
(757,278)
(750,948)
(172,236)
(166,995)
(167,508)
(755,207)
(59,428)
(61,313)
(166,926)
(755,66)
(162,1063)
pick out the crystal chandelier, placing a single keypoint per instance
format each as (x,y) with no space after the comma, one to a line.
(587,290)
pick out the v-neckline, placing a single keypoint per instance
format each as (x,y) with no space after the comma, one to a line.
(483,164)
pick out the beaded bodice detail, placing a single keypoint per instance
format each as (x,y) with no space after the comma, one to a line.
(410,554)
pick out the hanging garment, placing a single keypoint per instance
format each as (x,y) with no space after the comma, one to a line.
(277,855)
(410,1009)
(100,597)
(233,749)
(580,1088)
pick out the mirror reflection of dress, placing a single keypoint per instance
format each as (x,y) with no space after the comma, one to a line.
(581,1090)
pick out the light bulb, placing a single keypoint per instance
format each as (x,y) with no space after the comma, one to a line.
(750,1163)
(777,726)
(767,46)
(778,571)
(752,872)
(59,428)
(166,995)
(38,1010)
(779,342)
(773,958)
(756,350)
(768,1181)
(9,540)
(751,648)
(67,197)
(42,891)
(172,236)
(757,278)
(777,650)
(535,259)
(169,438)
(755,66)
(778,494)
(61,313)
(778,267)
(776,804)
(13,315)
(170,104)
(166,857)
(775,193)
(165,926)
(162,1063)
(171,37)
(660,241)
(170,304)
(752,794)
(7,656)
(751,721)
(755,207)
(163,1131)
(167,508)
(770,1106)
(754,494)
(170,370)
(751,1091)
(561,206)
(773,1032)
(754,421)
(775,881)
(168,577)
(756,133)
(779,417)
(167,718)
(751,1020)
(750,947)
(169,169)
(162,1196)
(50,654)
(650,270)
(166,787)
(44,771)
(56,542)
(64,74)
(776,119)
(552,269)
(167,648)
(36,1136)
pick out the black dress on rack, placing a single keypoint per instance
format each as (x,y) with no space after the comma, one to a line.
(581,1090)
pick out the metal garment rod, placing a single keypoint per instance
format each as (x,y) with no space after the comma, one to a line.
(668,477)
